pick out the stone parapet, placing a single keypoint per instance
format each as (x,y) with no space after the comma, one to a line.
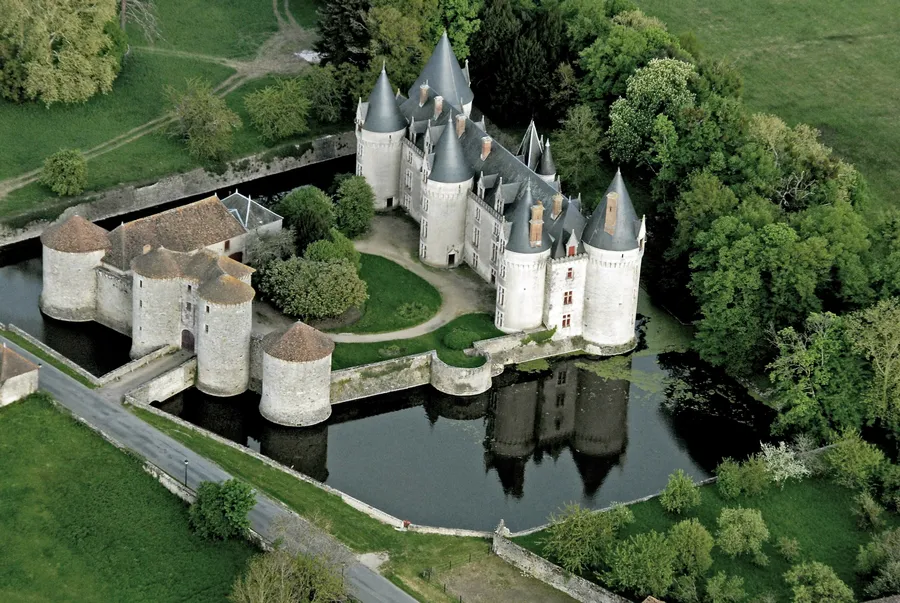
(134,365)
(457,381)
(380,378)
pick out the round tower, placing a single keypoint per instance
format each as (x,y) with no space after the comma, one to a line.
(520,294)
(223,336)
(71,252)
(444,198)
(155,301)
(296,384)
(379,139)
(614,241)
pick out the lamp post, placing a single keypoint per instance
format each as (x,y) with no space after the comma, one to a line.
(185,472)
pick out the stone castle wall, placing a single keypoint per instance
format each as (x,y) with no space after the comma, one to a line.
(378,160)
(223,348)
(114,305)
(296,393)
(166,385)
(70,284)
(380,378)
(458,381)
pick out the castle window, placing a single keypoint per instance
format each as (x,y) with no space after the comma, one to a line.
(501,296)
(496,231)
(359,151)
(190,288)
(424,228)
(502,246)
(406,199)
(566,321)
(494,252)
(499,319)
(476,237)
(189,306)
(227,245)
(424,203)
(560,400)
(207,309)
(561,376)
(570,273)
(503,270)
(140,283)
(558,423)
(474,259)
(206,329)
(409,155)
(358,169)
(141,304)
(408,178)
(571,251)
(567,298)
(477,214)
(423,251)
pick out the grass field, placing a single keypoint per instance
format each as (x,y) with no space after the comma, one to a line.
(816,512)
(355,354)
(391,288)
(829,63)
(409,553)
(81,521)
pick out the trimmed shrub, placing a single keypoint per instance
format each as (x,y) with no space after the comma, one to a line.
(869,514)
(742,532)
(723,588)
(789,548)
(336,247)
(310,212)
(355,206)
(693,545)
(854,462)
(644,564)
(817,583)
(460,339)
(221,511)
(579,539)
(65,172)
(304,288)
(681,493)
(728,480)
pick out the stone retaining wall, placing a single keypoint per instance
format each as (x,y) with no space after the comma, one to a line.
(549,573)
(458,381)
(510,349)
(380,378)
(166,385)
(54,354)
(134,365)
(131,198)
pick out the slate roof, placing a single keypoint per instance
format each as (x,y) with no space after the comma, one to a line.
(626,228)
(162,263)
(249,213)
(443,74)
(184,228)
(13,365)
(382,114)
(225,290)
(570,221)
(75,235)
(300,343)
(519,233)
(546,166)
(529,151)
(449,164)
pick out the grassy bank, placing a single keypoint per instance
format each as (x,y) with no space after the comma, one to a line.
(398,298)
(27,345)
(354,354)
(81,521)
(828,63)
(409,553)
(816,512)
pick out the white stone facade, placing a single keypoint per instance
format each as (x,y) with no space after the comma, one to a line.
(156,308)
(520,294)
(610,298)
(442,223)
(70,284)
(383,176)
(223,348)
(296,393)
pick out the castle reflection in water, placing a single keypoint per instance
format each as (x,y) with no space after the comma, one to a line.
(525,417)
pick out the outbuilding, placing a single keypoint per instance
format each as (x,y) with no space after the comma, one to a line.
(18,376)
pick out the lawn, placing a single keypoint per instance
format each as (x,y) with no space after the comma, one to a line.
(816,512)
(81,521)
(829,63)
(355,354)
(398,298)
(410,553)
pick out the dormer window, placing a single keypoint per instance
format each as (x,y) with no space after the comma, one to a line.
(571,251)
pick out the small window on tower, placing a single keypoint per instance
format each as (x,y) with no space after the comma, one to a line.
(207,309)
(571,250)
(190,288)
(141,304)
(206,329)
(141,284)
(566,321)
(567,298)
(227,245)
(561,377)
(190,306)
(560,400)
(570,273)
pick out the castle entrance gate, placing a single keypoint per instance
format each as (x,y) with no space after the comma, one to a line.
(187,341)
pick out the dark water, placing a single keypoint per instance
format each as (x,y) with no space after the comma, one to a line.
(518,452)
(94,347)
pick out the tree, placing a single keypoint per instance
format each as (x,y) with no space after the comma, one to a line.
(460,17)
(879,564)
(705,200)
(336,247)
(782,463)
(280,577)
(203,120)
(322,86)
(65,172)
(644,564)
(579,539)
(819,380)
(57,50)
(355,207)
(815,582)
(343,32)
(693,545)
(742,532)
(681,493)
(220,511)
(403,33)
(576,149)
(875,333)
(309,212)
(260,250)
(280,110)
(141,14)
(308,289)
(723,588)
(853,462)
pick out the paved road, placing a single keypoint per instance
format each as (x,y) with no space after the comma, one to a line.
(111,418)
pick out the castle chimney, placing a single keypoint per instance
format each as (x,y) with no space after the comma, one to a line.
(485,147)
(423,94)
(438,106)
(557,205)
(537,224)
(612,210)
(460,125)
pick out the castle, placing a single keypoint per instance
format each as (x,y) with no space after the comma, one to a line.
(502,214)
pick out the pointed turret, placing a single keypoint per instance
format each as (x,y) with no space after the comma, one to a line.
(530,148)
(444,75)
(449,162)
(614,225)
(546,167)
(383,114)
(521,233)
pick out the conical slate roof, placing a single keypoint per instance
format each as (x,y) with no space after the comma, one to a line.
(520,230)
(546,167)
(383,114)
(300,343)
(444,75)
(625,229)
(449,163)
(75,235)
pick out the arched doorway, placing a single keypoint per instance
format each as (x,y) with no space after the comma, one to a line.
(187,341)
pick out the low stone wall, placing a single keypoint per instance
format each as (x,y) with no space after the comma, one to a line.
(128,199)
(54,354)
(510,349)
(166,385)
(458,381)
(380,378)
(549,573)
(134,365)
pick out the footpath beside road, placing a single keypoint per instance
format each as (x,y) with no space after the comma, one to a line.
(101,409)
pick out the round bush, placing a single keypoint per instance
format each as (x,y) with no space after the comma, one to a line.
(681,493)
(460,339)
(65,172)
